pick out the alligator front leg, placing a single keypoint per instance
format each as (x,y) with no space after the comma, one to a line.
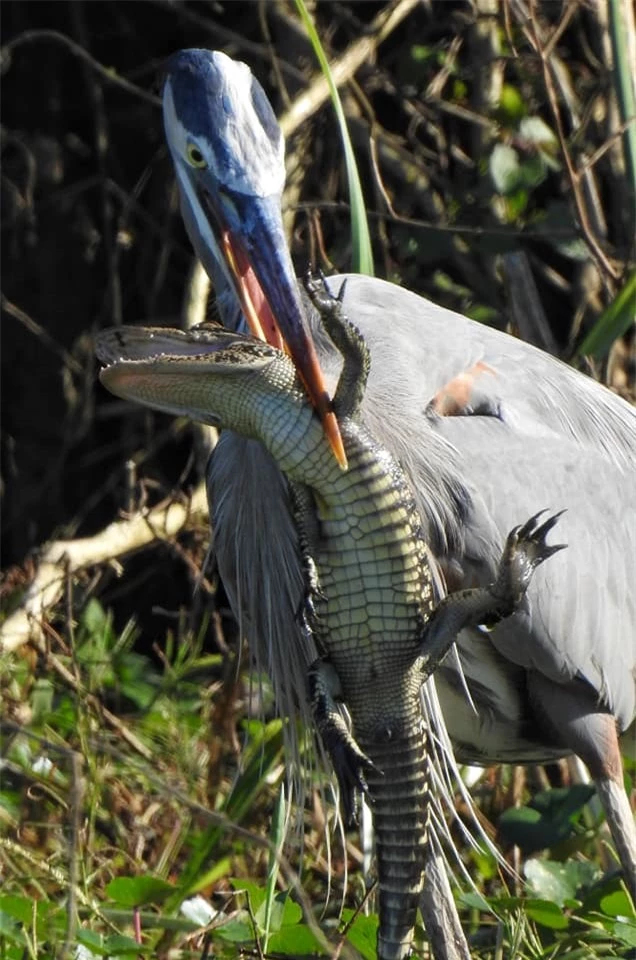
(525,549)
(349,762)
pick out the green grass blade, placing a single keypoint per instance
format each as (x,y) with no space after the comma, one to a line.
(615,320)
(277,837)
(262,755)
(360,236)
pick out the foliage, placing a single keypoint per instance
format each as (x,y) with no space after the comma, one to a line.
(155,862)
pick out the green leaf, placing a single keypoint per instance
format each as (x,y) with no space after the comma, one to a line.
(10,802)
(363,933)
(92,941)
(11,929)
(532,170)
(26,909)
(537,131)
(511,910)
(563,803)
(269,915)
(511,103)
(283,912)
(237,930)
(220,868)
(40,916)
(618,904)
(296,941)
(625,931)
(460,89)
(546,913)
(252,890)
(118,945)
(423,53)
(547,820)
(504,168)
(138,891)
(475,901)
(94,618)
(559,882)
(42,697)
(593,898)
(20,908)
(525,828)
(614,321)
(516,203)
(483,313)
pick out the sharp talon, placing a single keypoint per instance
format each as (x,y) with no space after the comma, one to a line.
(549,523)
(525,550)
(529,526)
(549,551)
(535,533)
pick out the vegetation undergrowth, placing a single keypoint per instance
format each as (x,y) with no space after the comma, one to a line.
(151,836)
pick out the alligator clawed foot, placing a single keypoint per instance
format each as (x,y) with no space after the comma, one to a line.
(320,294)
(350,763)
(525,549)
(350,766)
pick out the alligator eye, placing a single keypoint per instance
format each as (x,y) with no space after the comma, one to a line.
(195,157)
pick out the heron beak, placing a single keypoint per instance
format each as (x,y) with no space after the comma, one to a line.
(251,238)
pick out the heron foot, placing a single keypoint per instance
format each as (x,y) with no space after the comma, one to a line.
(349,762)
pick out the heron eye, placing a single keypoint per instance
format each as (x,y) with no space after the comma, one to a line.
(195,157)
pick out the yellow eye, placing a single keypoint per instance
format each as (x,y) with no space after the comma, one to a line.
(195,157)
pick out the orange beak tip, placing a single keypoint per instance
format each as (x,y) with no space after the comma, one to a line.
(332,431)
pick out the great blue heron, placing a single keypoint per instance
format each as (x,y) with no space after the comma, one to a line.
(488,428)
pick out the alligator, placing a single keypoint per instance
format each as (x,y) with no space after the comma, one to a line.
(370,601)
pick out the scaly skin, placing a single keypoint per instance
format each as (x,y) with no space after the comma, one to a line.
(370,595)
(374,595)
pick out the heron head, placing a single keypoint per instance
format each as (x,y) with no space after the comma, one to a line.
(228,154)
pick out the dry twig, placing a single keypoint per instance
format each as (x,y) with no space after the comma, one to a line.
(119,538)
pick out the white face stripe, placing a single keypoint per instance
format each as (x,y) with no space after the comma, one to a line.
(206,241)
(175,131)
(257,166)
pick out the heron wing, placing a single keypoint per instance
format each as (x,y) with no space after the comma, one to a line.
(527,432)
